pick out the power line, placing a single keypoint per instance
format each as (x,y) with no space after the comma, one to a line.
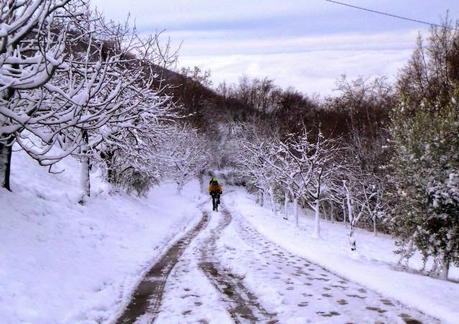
(388,14)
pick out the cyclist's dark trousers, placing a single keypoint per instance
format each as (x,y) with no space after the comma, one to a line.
(215,201)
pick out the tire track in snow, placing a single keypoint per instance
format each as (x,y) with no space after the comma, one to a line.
(313,292)
(243,305)
(148,294)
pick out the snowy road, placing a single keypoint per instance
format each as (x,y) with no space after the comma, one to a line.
(148,295)
(242,304)
(224,271)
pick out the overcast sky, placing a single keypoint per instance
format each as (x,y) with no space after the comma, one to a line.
(306,44)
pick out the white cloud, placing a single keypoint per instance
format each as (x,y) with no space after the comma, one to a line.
(310,72)
(310,64)
(305,44)
(217,43)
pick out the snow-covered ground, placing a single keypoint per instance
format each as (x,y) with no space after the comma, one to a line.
(65,263)
(230,273)
(373,266)
(189,296)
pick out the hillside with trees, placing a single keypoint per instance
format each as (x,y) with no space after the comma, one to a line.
(384,153)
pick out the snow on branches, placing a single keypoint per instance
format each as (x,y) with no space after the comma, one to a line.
(31,50)
(312,171)
(183,154)
(298,167)
(74,84)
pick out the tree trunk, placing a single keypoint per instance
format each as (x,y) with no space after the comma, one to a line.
(180,186)
(85,180)
(374,226)
(85,170)
(201,181)
(265,198)
(109,157)
(271,198)
(349,209)
(444,271)
(350,213)
(326,211)
(285,205)
(352,241)
(6,150)
(433,270)
(316,233)
(295,210)
(111,176)
(332,212)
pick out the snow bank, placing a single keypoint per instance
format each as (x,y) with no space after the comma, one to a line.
(65,263)
(373,266)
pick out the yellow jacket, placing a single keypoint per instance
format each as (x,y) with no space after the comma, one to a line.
(215,187)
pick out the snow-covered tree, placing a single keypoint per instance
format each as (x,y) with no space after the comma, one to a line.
(183,153)
(425,164)
(258,159)
(129,155)
(298,167)
(32,44)
(316,162)
(360,196)
(373,191)
(108,90)
(291,173)
(425,180)
(354,207)
(69,79)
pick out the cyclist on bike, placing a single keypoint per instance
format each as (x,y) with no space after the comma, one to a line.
(215,190)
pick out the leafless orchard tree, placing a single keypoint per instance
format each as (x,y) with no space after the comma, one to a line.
(361,197)
(75,81)
(183,154)
(299,167)
(31,50)
(313,164)
(258,167)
